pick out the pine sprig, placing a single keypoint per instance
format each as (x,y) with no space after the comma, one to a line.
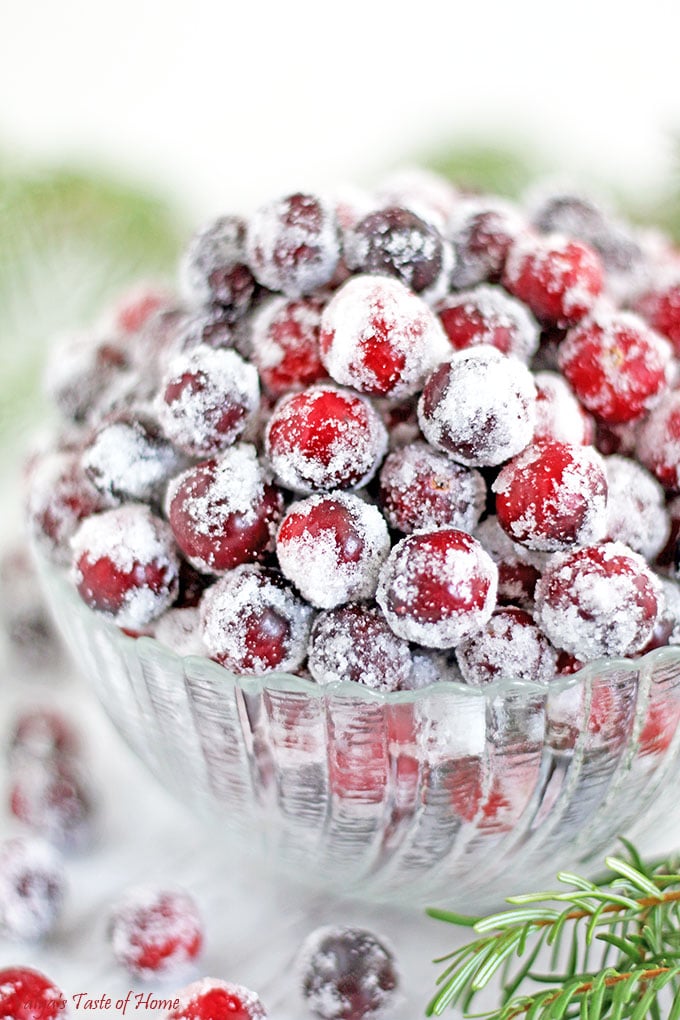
(613,946)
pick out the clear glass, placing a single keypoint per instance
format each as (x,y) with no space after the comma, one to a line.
(447,795)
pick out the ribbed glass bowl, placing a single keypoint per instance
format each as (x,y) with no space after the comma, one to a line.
(449,795)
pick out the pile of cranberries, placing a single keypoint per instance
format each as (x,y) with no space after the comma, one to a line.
(383,437)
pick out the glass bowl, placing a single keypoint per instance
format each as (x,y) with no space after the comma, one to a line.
(450,795)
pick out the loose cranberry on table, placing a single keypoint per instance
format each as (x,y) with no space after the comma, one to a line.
(26,994)
(380,338)
(509,647)
(347,973)
(51,797)
(355,642)
(214,267)
(332,547)
(324,438)
(558,278)
(285,344)
(32,887)
(212,999)
(482,230)
(559,415)
(129,459)
(487,315)
(155,931)
(42,734)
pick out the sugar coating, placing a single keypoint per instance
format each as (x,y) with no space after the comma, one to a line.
(377,319)
(658,441)
(50,797)
(480,407)
(314,560)
(477,263)
(550,262)
(164,923)
(285,331)
(78,372)
(32,886)
(493,310)
(221,380)
(430,667)
(190,999)
(59,496)
(233,606)
(598,608)
(355,643)
(509,647)
(670,618)
(126,462)
(180,630)
(518,567)
(213,251)
(558,413)
(636,511)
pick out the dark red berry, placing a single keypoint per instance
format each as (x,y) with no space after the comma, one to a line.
(519,568)
(214,267)
(347,974)
(487,315)
(482,231)
(354,642)
(509,647)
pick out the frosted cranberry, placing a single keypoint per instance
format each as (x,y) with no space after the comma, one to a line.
(347,974)
(437,586)
(51,798)
(519,568)
(430,195)
(206,399)
(660,307)
(214,267)
(395,242)
(224,512)
(560,211)
(134,308)
(42,733)
(79,371)
(126,565)
(479,407)
(26,994)
(553,495)
(482,231)
(253,622)
(487,315)
(509,647)
(129,459)
(599,600)
(658,441)
(155,931)
(285,344)
(636,512)
(324,438)
(211,999)
(354,642)
(24,617)
(32,885)
(293,244)
(615,365)
(380,338)
(430,667)
(558,279)
(423,489)
(559,416)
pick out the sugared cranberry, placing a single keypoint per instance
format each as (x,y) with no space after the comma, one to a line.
(479,407)
(134,308)
(347,974)
(519,568)
(26,994)
(324,438)
(437,586)
(658,441)
(293,244)
(482,231)
(79,372)
(32,885)
(214,267)
(559,279)
(509,647)
(430,195)
(487,315)
(155,931)
(636,511)
(206,399)
(210,326)
(354,642)
(552,496)
(393,241)
(332,547)
(126,565)
(52,799)
(616,366)
(42,733)
(24,617)
(559,416)
(285,344)
(253,622)
(423,489)
(660,307)
(430,667)
(380,338)
(211,999)
(599,600)
(128,459)
(224,512)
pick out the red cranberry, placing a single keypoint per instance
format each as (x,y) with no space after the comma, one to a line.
(658,441)
(211,999)
(206,399)
(224,512)
(479,407)
(51,798)
(615,365)
(332,547)
(293,244)
(558,279)
(660,307)
(437,587)
(355,643)
(26,994)
(430,667)
(155,931)
(214,267)
(285,344)
(42,733)
(393,241)
(509,647)
(482,231)
(254,623)
(636,512)
(559,416)
(487,315)
(519,568)
(347,974)
(126,565)
(32,884)
(423,489)
(128,459)
(380,338)
(134,309)
(552,496)
(560,211)
(79,372)
(599,600)
(210,327)
(324,438)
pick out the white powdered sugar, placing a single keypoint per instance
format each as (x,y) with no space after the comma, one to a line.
(509,647)
(80,368)
(193,994)
(670,618)
(332,548)
(32,886)
(215,249)
(549,257)
(476,262)
(479,407)
(356,643)
(59,496)
(500,320)
(658,441)
(559,415)
(180,630)
(430,667)
(426,194)
(159,924)
(236,486)
(126,462)
(636,510)
(379,337)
